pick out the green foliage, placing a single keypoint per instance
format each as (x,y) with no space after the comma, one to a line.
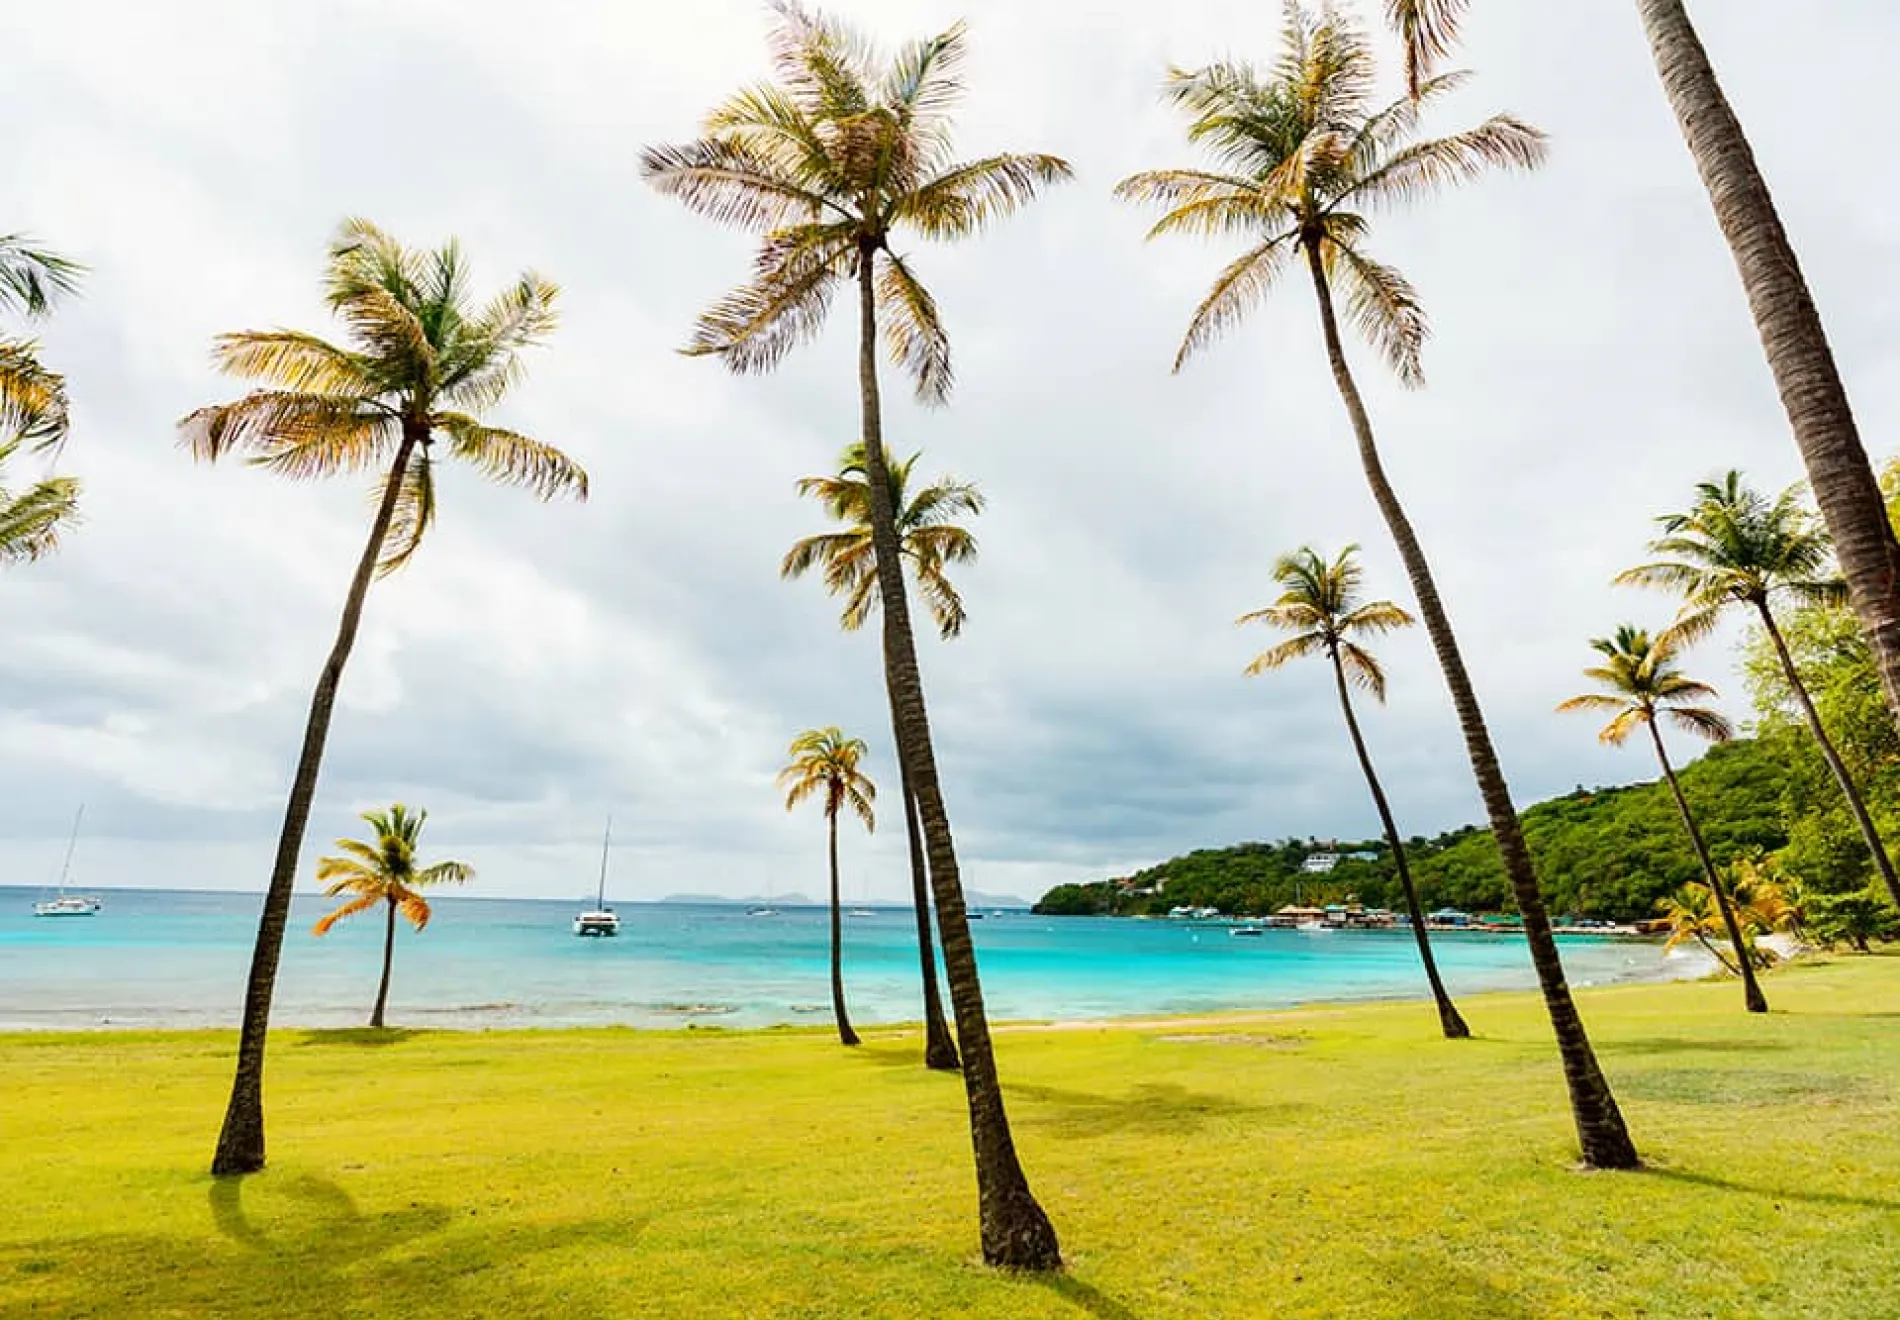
(1855,919)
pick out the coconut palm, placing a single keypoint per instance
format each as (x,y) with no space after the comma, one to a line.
(425,362)
(33,406)
(1792,336)
(384,870)
(1300,155)
(1323,610)
(31,521)
(930,541)
(843,152)
(1736,547)
(1642,685)
(825,763)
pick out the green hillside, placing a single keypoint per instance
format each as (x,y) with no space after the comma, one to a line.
(1605,852)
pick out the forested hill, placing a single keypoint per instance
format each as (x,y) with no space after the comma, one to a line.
(1607,852)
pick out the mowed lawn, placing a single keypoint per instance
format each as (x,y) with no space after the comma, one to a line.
(1331,1162)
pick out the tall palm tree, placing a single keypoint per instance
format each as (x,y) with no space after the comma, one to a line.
(843,151)
(825,762)
(32,520)
(1301,154)
(930,541)
(426,361)
(1323,610)
(1736,547)
(384,870)
(34,412)
(1793,338)
(1642,684)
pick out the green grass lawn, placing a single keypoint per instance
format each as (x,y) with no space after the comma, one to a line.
(1331,1162)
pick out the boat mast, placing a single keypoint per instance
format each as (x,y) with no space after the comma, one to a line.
(600,895)
(72,843)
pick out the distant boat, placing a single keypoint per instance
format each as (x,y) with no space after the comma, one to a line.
(1247,930)
(602,921)
(69,905)
(761,910)
(860,912)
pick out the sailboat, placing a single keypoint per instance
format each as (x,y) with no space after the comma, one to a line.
(602,921)
(69,905)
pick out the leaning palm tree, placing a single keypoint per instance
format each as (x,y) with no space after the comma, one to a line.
(32,520)
(1793,338)
(1323,610)
(1300,155)
(1736,547)
(844,151)
(384,870)
(1642,686)
(426,361)
(825,764)
(930,541)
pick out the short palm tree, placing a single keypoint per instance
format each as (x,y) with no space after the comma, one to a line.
(843,152)
(1793,338)
(1734,547)
(1300,156)
(33,406)
(1323,610)
(930,541)
(1641,686)
(824,764)
(384,871)
(425,362)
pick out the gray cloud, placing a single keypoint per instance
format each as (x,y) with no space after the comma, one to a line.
(535,668)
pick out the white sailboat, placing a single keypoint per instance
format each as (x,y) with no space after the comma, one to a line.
(69,905)
(602,920)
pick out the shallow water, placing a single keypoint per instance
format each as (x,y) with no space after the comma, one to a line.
(157,958)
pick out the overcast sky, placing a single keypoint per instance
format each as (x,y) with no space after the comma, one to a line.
(537,667)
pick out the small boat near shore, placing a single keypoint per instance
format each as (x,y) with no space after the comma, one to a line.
(65,904)
(602,921)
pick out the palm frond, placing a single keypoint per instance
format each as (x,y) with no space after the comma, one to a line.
(33,405)
(731,184)
(295,435)
(913,333)
(752,328)
(413,515)
(1426,168)
(1294,648)
(1379,616)
(1237,290)
(1702,722)
(967,198)
(361,903)
(814,551)
(513,459)
(484,362)
(1384,308)
(1363,669)
(941,597)
(32,279)
(296,362)
(32,521)
(1428,31)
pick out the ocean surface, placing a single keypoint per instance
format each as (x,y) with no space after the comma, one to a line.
(158,958)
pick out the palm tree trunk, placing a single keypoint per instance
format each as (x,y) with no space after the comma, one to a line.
(1791,333)
(1751,989)
(241,1139)
(940,1051)
(1875,847)
(846,1035)
(1448,1016)
(389,956)
(1601,1133)
(1015,1232)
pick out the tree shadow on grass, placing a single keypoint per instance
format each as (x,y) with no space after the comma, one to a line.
(1683,1045)
(1085,1297)
(1773,1193)
(1436,1289)
(361,1037)
(1161,1107)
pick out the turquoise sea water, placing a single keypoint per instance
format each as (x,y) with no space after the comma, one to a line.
(157,958)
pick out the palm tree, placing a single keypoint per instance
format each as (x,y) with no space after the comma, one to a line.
(33,406)
(385,871)
(1735,547)
(426,362)
(825,761)
(1322,608)
(929,541)
(1643,685)
(1300,154)
(31,521)
(1793,338)
(843,151)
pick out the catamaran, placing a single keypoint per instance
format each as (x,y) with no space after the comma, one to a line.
(69,905)
(602,921)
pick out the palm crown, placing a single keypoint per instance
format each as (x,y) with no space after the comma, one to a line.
(1428,29)
(930,541)
(426,362)
(1642,684)
(1303,154)
(843,150)
(33,406)
(825,762)
(1734,544)
(385,870)
(31,521)
(1322,607)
